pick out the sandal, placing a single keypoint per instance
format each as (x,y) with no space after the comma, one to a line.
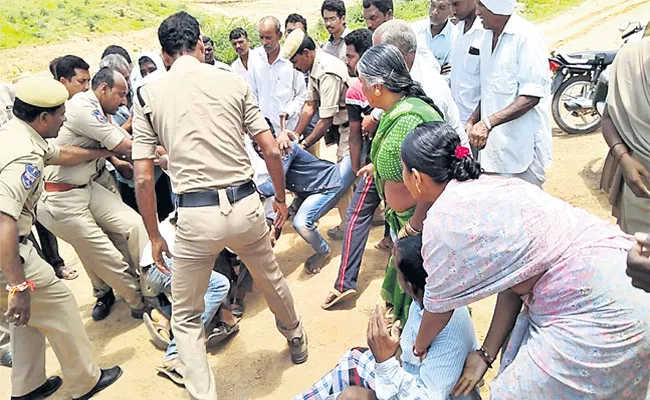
(335,297)
(220,333)
(383,245)
(173,370)
(159,331)
(65,272)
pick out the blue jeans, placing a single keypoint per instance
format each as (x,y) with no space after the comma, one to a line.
(317,205)
(156,283)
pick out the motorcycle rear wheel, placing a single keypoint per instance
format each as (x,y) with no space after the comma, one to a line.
(579,122)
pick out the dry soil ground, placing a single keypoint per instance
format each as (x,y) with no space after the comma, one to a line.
(255,364)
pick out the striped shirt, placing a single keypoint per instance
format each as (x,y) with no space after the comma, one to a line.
(435,377)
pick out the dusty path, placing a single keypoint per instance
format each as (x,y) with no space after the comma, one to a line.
(255,364)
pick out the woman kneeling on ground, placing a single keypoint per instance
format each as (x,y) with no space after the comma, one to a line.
(583,331)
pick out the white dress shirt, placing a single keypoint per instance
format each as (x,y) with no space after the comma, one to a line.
(238,68)
(278,88)
(465,73)
(517,67)
(439,45)
(435,86)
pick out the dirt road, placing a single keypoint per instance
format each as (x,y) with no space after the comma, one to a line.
(255,364)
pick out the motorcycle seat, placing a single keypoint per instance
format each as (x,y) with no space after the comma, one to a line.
(589,57)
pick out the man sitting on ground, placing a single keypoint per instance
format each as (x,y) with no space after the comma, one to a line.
(376,373)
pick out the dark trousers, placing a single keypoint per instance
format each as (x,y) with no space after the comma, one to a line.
(49,248)
(359,221)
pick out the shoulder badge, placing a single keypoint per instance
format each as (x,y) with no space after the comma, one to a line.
(101,118)
(30,176)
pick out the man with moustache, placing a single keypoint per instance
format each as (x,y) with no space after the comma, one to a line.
(241,45)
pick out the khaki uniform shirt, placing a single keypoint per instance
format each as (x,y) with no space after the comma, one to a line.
(21,167)
(328,83)
(86,126)
(198,114)
(7,97)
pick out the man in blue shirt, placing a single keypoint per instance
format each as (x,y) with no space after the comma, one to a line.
(376,373)
(435,33)
(320,184)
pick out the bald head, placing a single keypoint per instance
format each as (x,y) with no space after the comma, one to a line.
(399,34)
(270,32)
(110,88)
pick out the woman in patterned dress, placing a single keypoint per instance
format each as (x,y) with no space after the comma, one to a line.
(583,331)
(388,86)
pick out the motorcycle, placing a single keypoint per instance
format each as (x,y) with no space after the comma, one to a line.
(576,76)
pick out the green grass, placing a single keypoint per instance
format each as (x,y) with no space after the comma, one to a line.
(542,10)
(24,22)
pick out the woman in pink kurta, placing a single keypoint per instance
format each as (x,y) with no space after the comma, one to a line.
(583,330)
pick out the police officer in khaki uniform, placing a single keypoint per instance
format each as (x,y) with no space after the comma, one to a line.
(328,82)
(38,304)
(201,129)
(78,207)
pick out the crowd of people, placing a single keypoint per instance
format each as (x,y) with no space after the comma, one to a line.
(168,174)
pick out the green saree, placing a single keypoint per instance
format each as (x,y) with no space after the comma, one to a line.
(394,126)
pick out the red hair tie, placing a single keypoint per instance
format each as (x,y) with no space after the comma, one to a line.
(461,152)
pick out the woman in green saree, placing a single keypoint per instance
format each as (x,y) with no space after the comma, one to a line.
(388,86)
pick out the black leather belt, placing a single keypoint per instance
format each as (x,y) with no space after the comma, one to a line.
(211,198)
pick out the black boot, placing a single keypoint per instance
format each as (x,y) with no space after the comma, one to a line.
(50,386)
(103,306)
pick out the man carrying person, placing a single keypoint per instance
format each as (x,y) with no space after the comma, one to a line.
(241,45)
(436,33)
(333,13)
(38,304)
(277,87)
(376,12)
(465,58)
(511,126)
(328,82)
(78,206)
(218,204)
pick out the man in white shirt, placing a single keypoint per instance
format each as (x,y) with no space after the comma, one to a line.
(511,125)
(278,88)
(399,34)
(240,43)
(209,54)
(465,58)
(435,33)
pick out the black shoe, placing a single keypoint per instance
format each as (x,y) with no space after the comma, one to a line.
(50,386)
(103,306)
(138,313)
(107,378)
(298,348)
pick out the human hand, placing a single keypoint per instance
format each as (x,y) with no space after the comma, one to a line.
(158,246)
(272,231)
(473,372)
(281,213)
(636,175)
(369,126)
(285,140)
(478,135)
(162,161)
(446,69)
(19,308)
(367,170)
(383,344)
(125,168)
(638,262)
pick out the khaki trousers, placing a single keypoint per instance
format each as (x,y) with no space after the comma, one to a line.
(55,315)
(201,234)
(84,218)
